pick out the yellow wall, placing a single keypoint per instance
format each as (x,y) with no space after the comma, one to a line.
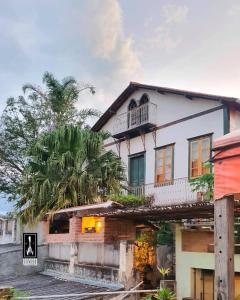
(186,261)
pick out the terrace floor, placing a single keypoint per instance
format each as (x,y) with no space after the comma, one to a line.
(43,285)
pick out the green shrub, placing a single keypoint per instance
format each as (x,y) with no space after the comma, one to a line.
(162,294)
(128,200)
(18,293)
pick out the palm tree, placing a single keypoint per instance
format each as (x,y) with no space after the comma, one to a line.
(60,99)
(68,167)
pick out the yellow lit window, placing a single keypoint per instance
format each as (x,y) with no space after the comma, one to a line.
(199,155)
(91,225)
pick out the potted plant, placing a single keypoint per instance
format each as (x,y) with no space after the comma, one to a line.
(162,294)
(163,272)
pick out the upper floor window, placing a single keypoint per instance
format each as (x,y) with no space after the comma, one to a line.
(199,154)
(164,164)
(144,99)
(132,104)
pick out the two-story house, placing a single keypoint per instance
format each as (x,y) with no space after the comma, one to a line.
(164,137)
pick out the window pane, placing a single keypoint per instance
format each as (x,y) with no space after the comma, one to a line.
(164,157)
(205,155)
(194,173)
(200,153)
(206,143)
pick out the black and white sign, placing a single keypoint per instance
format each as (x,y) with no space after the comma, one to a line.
(30,249)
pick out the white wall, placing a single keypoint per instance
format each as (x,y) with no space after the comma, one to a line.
(171,108)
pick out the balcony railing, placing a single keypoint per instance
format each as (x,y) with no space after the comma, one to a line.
(144,115)
(177,191)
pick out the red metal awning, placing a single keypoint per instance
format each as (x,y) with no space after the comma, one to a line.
(227,165)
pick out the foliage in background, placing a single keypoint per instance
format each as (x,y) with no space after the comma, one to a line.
(18,293)
(128,200)
(68,166)
(147,237)
(144,255)
(204,184)
(164,235)
(26,118)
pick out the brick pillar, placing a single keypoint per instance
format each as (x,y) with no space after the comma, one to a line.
(126,263)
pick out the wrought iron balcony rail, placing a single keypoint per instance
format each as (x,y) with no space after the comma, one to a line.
(143,116)
(177,192)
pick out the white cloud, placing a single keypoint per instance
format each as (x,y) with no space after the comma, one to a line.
(234,10)
(174,13)
(104,34)
(161,38)
(25,35)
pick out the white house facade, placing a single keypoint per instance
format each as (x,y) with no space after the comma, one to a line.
(164,137)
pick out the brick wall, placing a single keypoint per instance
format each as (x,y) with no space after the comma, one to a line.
(112,230)
(121,229)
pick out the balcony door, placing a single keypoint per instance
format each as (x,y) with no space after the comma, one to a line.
(137,171)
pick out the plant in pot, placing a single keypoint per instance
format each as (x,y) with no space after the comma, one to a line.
(162,294)
(163,272)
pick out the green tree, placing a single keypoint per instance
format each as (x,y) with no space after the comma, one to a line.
(68,167)
(26,118)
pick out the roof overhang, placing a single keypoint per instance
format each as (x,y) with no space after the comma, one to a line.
(88,209)
(133,86)
(173,213)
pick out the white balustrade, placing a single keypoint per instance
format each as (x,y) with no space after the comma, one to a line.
(134,118)
(179,191)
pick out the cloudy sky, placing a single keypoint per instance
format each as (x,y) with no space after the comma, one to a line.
(192,45)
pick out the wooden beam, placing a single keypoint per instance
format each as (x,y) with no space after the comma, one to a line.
(224,248)
(128,142)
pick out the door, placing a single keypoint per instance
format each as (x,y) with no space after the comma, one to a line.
(137,174)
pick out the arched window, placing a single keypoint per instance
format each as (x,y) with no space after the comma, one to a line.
(132,104)
(132,113)
(143,113)
(144,99)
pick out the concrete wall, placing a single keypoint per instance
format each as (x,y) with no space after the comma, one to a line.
(100,254)
(11,261)
(59,251)
(90,253)
(186,261)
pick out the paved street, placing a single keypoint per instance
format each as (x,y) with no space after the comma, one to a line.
(40,285)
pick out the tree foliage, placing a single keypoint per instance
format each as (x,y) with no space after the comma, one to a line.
(68,167)
(27,117)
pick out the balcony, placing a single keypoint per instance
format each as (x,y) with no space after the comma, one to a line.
(177,191)
(131,123)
